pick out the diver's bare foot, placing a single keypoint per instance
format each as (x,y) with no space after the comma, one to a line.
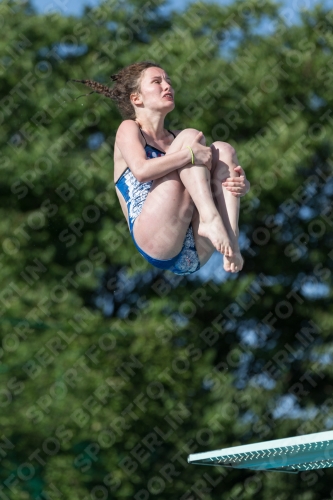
(233,264)
(215,231)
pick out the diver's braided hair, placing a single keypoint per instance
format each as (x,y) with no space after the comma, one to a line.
(127,82)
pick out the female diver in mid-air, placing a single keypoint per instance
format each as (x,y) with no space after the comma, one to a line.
(180,198)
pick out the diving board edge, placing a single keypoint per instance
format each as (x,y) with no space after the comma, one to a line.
(306,452)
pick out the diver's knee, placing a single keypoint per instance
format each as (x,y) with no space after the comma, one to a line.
(225,150)
(189,134)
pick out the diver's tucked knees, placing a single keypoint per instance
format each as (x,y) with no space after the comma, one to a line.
(190,134)
(224,148)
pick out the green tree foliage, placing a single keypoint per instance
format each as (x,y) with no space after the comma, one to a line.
(112,372)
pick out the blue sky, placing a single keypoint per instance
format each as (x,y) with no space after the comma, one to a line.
(289,10)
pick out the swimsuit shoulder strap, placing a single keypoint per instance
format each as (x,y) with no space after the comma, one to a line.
(143,137)
(146,140)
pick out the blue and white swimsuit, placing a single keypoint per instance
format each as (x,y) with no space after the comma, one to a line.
(135,194)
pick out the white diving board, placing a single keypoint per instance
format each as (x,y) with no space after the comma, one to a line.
(311,451)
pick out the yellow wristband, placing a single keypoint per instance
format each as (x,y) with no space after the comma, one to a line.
(192,154)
